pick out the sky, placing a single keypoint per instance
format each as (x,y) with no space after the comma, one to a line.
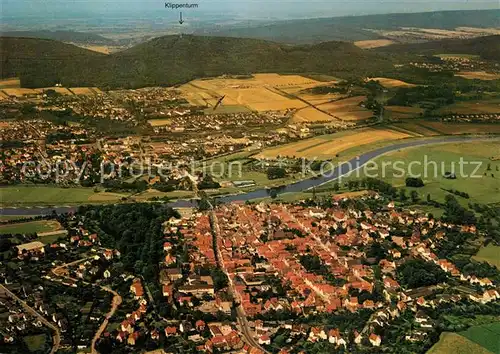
(239,9)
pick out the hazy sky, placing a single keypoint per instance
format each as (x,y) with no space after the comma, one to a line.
(240,9)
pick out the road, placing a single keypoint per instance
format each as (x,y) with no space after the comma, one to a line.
(295,187)
(248,335)
(57,333)
(117,299)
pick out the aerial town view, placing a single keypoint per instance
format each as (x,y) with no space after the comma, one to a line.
(250,177)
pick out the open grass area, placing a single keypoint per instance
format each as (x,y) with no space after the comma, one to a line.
(14,217)
(35,195)
(30,227)
(490,254)
(487,336)
(472,107)
(394,167)
(35,342)
(453,343)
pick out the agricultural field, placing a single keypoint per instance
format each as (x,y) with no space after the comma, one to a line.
(328,146)
(457,56)
(402,112)
(159,122)
(487,336)
(260,92)
(10,83)
(310,115)
(433,128)
(415,129)
(391,83)
(490,254)
(456,344)
(26,196)
(348,109)
(374,43)
(472,107)
(432,162)
(30,227)
(478,75)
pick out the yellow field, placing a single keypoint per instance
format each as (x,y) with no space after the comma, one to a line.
(310,114)
(375,43)
(19,92)
(472,107)
(348,109)
(59,90)
(320,99)
(481,75)
(391,83)
(261,92)
(402,112)
(159,122)
(10,83)
(86,91)
(324,147)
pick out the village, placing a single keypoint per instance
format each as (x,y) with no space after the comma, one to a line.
(245,278)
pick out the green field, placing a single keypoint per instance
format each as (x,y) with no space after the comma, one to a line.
(35,342)
(453,343)
(31,195)
(487,336)
(490,254)
(394,167)
(30,227)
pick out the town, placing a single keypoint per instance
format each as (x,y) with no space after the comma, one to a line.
(340,274)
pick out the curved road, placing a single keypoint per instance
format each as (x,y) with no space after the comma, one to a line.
(117,300)
(300,186)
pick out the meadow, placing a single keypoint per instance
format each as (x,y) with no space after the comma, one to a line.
(490,254)
(394,167)
(456,344)
(30,227)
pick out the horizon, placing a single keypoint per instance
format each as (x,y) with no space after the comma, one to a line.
(52,14)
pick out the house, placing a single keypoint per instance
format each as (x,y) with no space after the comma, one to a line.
(375,340)
(170,331)
(132,338)
(264,340)
(137,289)
(31,248)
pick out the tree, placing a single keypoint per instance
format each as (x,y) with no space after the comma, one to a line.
(414,196)
(402,195)
(276,173)
(414,182)
(429,198)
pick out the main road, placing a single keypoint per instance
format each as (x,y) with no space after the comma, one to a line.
(339,171)
(241,317)
(29,309)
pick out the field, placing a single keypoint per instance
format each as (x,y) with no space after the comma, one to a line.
(431,128)
(490,254)
(35,342)
(10,83)
(402,112)
(348,109)
(10,87)
(159,122)
(472,107)
(453,343)
(260,92)
(27,196)
(328,146)
(391,83)
(29,227)
(432,162)
(457,56)
(486,336)
(481,75)
(373,43)
(309,115)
